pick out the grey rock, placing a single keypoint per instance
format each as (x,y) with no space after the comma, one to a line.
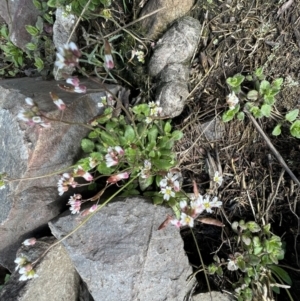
(213,130)
(169,64)
(57,278)
(156,24)
(214,296)
(121,256)
(177,45)
(31,151)
(62,29)
(17,14)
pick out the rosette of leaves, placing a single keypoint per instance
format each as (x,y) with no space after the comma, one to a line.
(140,141)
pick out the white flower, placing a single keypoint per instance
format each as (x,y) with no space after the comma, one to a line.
(20,261)
(60,104)
(231,266)
(29,101)
(218,178)
(110,161)
(24,115)
(216,203)
(170,180)
(186,220)
(232,100)
(167,192)
(27,273)
(29,242)
(182,205)
(176,223)
(197,205)
(207,204)
(148,120)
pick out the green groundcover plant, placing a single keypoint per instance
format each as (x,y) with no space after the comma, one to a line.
(257,95)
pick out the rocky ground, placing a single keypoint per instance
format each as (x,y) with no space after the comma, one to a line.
(235,37)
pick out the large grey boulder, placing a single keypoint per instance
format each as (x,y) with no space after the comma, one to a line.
(32,152)
(121,255)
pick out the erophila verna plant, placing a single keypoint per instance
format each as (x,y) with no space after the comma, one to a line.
(255,262)
(257,95)
(132,151)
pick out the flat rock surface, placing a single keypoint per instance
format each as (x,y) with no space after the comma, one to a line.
(122,256)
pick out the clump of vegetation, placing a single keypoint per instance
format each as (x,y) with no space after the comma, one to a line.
(256,258)
(259,100)
(13,56)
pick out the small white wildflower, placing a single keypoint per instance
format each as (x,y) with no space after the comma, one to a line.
(231,265)
(232,100)
(218,178)
(167,192)
(186,220)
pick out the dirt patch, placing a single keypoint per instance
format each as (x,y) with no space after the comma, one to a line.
(239,37)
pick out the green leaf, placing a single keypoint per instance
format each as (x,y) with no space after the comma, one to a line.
(235,81)
(252,95)
(108,139)
(107,114)
(266,110)
(31,46)
(167,127)
(103,169)
(52,3)
(87,145)
(252,259)
(158,200)
(177,135)
(162,164)
(259,73)
(277,130)
(277,83)
(234,226)
(264,87)
(256,112)
(246,239)
(129,134)
(281,273)
(241,263)
(37,4)
(240,116)
(228,115)
(32,30)
(39,63)
(295,129)
(292,115)
(145,183)
(269,99)
(253,227)
(152,134)
(141,109)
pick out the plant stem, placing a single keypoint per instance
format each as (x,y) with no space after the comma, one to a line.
(202,263)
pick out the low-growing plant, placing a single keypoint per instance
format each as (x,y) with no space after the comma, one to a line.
(12,55)
(76,6)
(255,262)
(257,95)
